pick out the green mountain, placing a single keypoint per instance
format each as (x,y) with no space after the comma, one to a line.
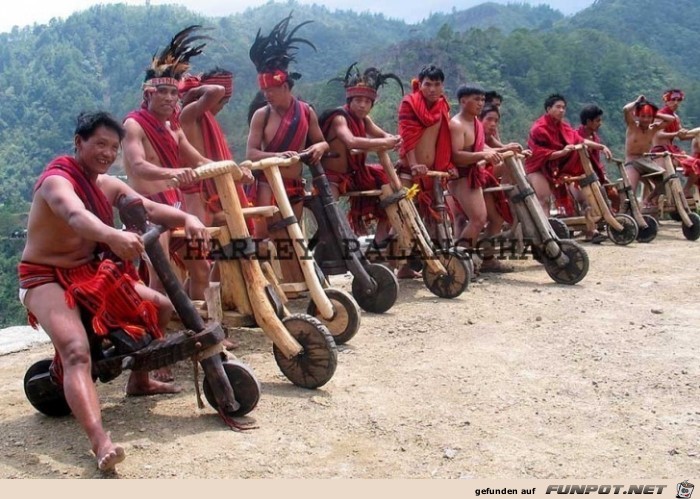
(506,18)
(668,27)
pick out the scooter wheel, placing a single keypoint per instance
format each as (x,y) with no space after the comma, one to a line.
(692,233)
(452,284)
(575,270)
(43,393)
(648,234)
(246,387)
(560,228)
(316,364)
(673,215)
(345,323)
(385,294)
(628,233)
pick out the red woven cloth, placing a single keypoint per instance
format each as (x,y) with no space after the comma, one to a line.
(360,177)
(547,136)
(414,118)
(102,289)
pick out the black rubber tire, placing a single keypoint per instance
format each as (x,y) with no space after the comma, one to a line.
(346,322)
(46,396)
(629,231)
(560,228)
(458,274)
(648,234)
(315,366)
(692,233)
(673,215)
(246,387)
(575,270)
(386,293)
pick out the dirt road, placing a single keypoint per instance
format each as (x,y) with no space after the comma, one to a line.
(519,377)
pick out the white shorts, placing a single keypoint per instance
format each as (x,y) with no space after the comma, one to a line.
(22,295)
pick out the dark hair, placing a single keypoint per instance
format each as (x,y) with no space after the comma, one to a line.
(553,99)
(87,122)
(431,72)
(589,113)
(467,90)
(491,95)
(217,71)
(488,108)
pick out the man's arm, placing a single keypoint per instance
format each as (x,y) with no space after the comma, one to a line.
(64,202)
(135,156)
(598,146)
(460,157)
(198,101)
(319,146)
(158,213)
(628,111)
(377,143)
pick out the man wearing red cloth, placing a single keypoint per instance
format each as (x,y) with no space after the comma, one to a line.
(424,117)
(203,97)
(552,142)
(350,127)
(285,126)
(468,149)
(156,150)
(663,141)
(75,256)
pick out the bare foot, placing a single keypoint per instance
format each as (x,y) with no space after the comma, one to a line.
(407,272)
(109,456)
(496,266)
(163,374)
(230,344)
(139,384)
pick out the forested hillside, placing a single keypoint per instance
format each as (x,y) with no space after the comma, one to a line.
(606,54)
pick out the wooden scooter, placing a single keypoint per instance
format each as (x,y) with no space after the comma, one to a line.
(629,204)
(446,270)
(336,309)
(564,260)
(229,386)
(303,347)
(337,250)
(622,229)
(673,201)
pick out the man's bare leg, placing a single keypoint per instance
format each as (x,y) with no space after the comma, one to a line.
(542,189)
(64,327)
(140,383)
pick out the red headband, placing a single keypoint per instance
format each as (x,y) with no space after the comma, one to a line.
(224,80)
(646,109)
(273,79)
(361,91)
(674,94)
(188,83)
(156,82)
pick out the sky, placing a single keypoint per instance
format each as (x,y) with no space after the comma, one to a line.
(41,11)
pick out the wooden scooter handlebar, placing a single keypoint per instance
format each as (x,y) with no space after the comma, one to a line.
(279,161)
(214,169)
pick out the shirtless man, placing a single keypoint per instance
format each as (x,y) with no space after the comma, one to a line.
(285,125)
(70,234)
(643,123)
(155,151)
(663,141)
(203,97)
(350,127)
(468,149)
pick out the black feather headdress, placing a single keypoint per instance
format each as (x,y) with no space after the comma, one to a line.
(168,66)
(272,54)
(358,84)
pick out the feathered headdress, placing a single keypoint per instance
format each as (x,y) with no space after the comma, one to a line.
(272,54)
(365,84)
(168,66)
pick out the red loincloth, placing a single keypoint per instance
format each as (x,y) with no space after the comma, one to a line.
(361,176)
